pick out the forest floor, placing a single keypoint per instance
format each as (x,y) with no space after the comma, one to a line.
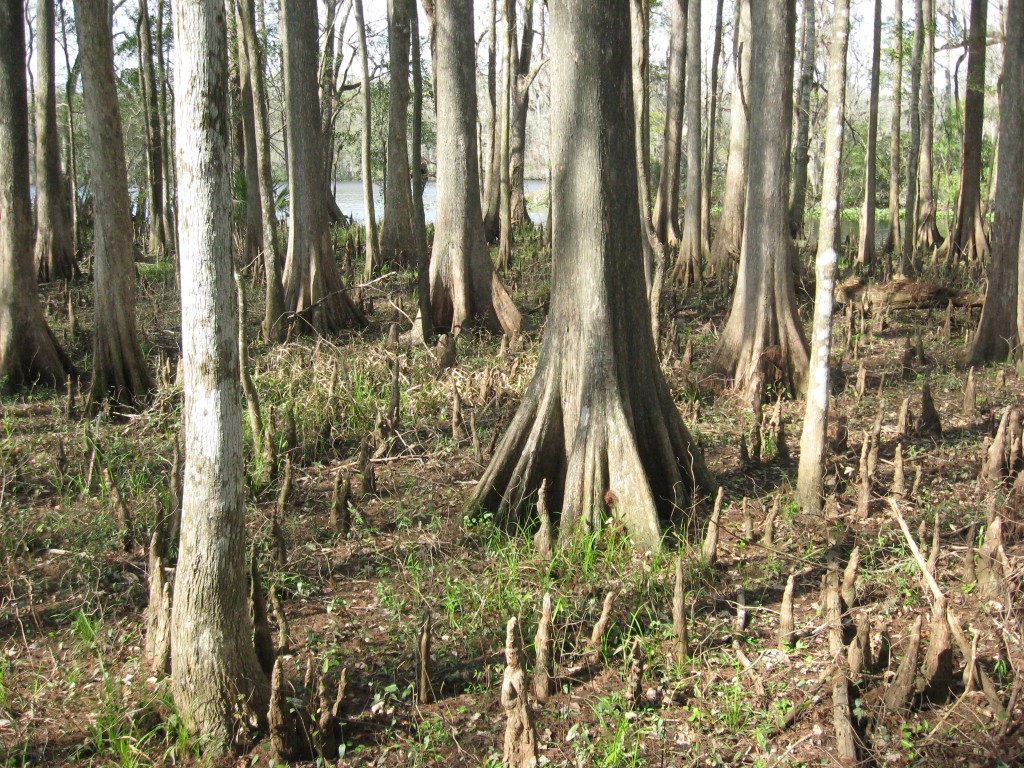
(75,690)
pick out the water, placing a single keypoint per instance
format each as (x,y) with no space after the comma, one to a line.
(349,195)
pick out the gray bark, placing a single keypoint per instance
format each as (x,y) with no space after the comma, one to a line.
(709,147)
(928,236)
(725,248)
(398,234)
(893,237)
(254,245)
(504,161)
(313,293)
(598,421)
(217,682)
(463,284)
(156,239)
(521,83)
(119,371)
(372,236)
(815,429)
(763,316)
(666,204)
(907,260)
(28,351)
(801,156)
(866,247)
(690,260)
(54,251)
(1002,318)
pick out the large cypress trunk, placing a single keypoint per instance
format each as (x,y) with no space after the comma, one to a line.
(762,342)
(28,351)
(463,283)
(1000,326)
(55,251)
(119,371)
(218,686)
(598,421)
(312,285)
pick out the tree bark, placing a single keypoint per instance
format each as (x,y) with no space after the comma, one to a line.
(521,83)
(254,245)
(866,247)
(928,236)
(813,440)
(119,371)
(372,237)
(28,351)
(313,293)
(801,155)
(893,237)
(504,162)
(419,176)
(690,260)
(967,237)
(598,421)
(729,236)
(463,283)
(273,322)
(907,260)
(709,149)
(398,235)
(666,204)
(762,340)
(217,682)
(1002,317)
(156,240)
(54,251)
(492,187)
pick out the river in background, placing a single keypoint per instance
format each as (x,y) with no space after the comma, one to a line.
(349,195)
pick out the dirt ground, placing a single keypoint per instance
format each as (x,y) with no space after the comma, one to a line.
(75,690)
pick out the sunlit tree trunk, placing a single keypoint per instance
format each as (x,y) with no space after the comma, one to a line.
(763,316)
(505,138)
(801,154)
(893,237)
(522,80)
(254,245)
(1002,319)
(119,370)
(725,248)
(815,429)
(928,236)
(156,239)
(866,247)
(709,147)
(54,251)
(28,351)
(372,238)
(598,421)
(463,283)
(219,688)
(907,260)
(666,204)
(690,261)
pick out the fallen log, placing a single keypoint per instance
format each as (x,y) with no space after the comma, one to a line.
(903,294)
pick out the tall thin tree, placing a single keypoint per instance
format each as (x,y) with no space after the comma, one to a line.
(866,245)
(690,260)
(666,204)
(372,237)
(893,235)
(801,154)
(929,239)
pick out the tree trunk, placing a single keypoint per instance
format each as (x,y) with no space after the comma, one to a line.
(217,682)
(312,287)
(372,238)
(893,237)
(866,247)
(762,341)
(725,248)
(598,421)
(709,148)
(463,284)
(398,235)
(521,83)
(119,371)
(54,252)
(689,266)
(1000,326)
(156,240)
(28,351)
(170,217)
(71,169)
(801,155)
(254,245)
(815,430)
(273,324)
(907,260)
(492,186)
(419,178)
(666,204)
(504,180)
(967,237)
(928,236)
